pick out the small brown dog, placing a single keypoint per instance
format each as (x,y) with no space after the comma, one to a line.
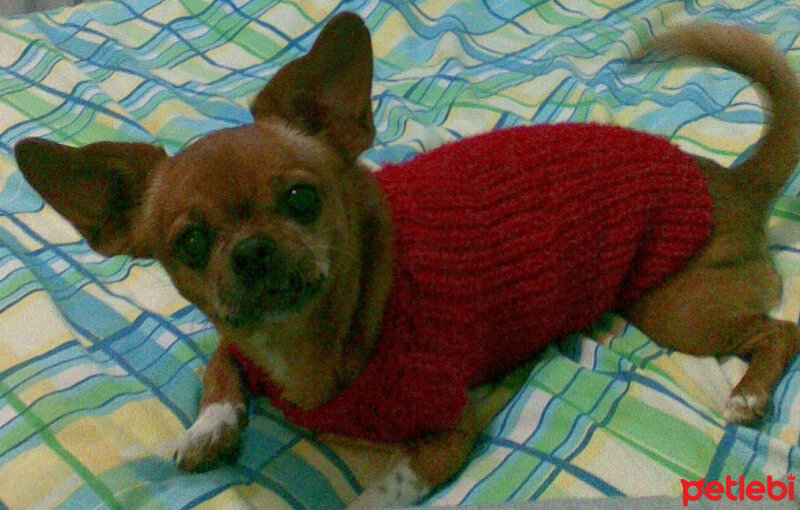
(287,191)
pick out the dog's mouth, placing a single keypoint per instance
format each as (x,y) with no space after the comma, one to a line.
(271,301)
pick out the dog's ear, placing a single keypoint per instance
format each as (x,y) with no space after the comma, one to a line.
(98,188)
(327,92)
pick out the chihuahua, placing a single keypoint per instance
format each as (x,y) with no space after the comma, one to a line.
(287,243)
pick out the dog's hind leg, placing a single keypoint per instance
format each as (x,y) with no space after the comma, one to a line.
(770,345)
(717,307)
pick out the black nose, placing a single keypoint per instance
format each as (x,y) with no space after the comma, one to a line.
(255,257)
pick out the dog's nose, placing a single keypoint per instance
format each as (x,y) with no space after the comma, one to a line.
(255,257)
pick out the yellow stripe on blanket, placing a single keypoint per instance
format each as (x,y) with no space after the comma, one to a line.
(30,329)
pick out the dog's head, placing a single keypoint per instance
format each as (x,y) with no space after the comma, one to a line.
(257,225)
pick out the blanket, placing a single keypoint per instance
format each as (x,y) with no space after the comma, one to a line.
(101,360)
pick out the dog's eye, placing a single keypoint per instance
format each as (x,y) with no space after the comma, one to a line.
(193,246)
(302,203)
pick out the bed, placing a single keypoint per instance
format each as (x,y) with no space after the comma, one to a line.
(101,360)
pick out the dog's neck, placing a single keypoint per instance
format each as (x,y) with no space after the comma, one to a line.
(299,357)
(310,357)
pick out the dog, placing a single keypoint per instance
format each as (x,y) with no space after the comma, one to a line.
(288,244)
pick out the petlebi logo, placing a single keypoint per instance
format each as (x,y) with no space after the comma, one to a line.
(738,490)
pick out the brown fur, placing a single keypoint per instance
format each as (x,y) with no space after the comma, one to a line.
(312,121)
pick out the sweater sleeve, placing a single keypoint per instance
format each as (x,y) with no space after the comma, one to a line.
(395,399)
(413,395)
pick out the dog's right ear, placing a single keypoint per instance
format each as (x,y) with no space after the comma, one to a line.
(98,188)
(328,91)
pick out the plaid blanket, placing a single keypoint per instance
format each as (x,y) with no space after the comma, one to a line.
(101,359)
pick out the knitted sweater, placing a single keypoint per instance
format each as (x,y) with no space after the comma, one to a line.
(506,242)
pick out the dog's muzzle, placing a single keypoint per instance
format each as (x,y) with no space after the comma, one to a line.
(268,283)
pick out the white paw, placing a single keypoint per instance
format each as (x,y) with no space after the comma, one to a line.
(745,407)
(401,486)
(213,437)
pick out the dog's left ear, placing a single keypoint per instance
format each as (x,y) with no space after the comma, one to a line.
(328,91)
(98,188)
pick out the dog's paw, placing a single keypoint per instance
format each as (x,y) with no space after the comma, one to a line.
(745,407)
(212,438)
(401,486)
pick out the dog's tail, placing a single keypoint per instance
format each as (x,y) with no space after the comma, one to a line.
(766,171)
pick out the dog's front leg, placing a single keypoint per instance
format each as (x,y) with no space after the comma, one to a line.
(430,463)
(424,467)
(214,436)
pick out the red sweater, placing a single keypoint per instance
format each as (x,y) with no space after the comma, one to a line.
(506,242)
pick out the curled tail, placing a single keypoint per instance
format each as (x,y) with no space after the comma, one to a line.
(766,171)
